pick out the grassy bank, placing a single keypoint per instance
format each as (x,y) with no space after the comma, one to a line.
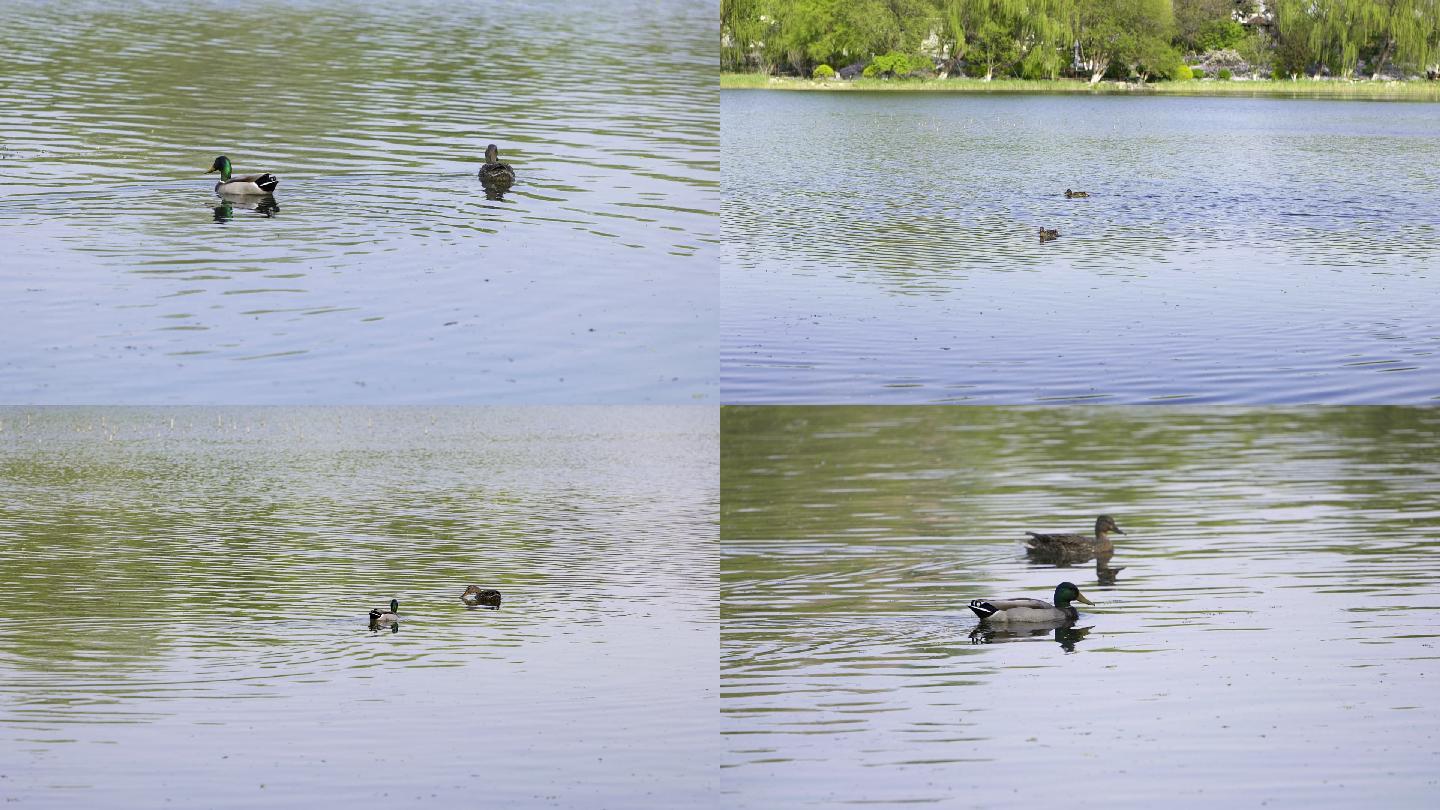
(1302,88)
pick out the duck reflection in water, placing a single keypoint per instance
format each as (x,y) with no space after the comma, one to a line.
(1066,634)
(265,206)
(1104,572)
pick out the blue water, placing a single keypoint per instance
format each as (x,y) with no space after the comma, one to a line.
(883,248)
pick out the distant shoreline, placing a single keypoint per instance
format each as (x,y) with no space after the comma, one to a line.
(1361,90)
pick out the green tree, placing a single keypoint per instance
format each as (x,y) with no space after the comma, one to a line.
(1123,33)
(995,47)
(1256,49)
(1198,21)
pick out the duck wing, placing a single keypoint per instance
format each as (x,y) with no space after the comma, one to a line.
(497,174)
(985,608)
(266,182)
(1012,604)
(1038,540)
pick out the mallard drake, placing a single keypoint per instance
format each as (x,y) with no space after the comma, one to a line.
(1070,195)
(249,184)
(1072,544)
(475,595)
(1031,610)
(1046,234)
(381,616)
(494,174)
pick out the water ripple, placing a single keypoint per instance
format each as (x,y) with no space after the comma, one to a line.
(1278,592)
(1232,250)
(375,120)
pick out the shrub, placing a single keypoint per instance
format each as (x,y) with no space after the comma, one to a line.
(1181,73)
(1197,73)
(1224,74)
(895,64)
(823,72)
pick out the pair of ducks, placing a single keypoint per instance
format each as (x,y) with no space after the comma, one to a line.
(472,597)
(1053,545)
(495,176)
(1046,234)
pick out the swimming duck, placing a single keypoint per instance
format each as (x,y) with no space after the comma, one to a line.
(475,595)
(249,184)
(380,616)
(494,174)
(1031,610)
(1070,195)
(1046,234)
(1071,544)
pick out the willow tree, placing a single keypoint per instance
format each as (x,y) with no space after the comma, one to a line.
(1000,34)
(1408,31)
(809,32)
(1335,30)
(742,33)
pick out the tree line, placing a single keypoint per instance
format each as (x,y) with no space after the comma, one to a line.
(1094,39)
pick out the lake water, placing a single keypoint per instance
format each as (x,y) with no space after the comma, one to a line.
(882,248)
(186,594)
(1272,636)
(381,273)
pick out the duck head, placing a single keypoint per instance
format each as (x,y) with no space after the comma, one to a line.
(222,165)
(1066,592)
(492,154)
(1106,524)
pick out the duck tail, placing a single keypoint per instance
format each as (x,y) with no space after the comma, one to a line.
(267,182)
(982,608)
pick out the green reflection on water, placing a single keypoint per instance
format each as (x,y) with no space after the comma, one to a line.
(817,499)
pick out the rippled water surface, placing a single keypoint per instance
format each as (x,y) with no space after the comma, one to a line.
(380,272)
(186,595)
(1272,636)
(883,248)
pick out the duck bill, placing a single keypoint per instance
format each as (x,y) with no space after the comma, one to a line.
(1117,530)
(1081,597)
(211,169)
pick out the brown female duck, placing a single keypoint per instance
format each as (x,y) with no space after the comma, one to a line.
(475,595)
(1075,544)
